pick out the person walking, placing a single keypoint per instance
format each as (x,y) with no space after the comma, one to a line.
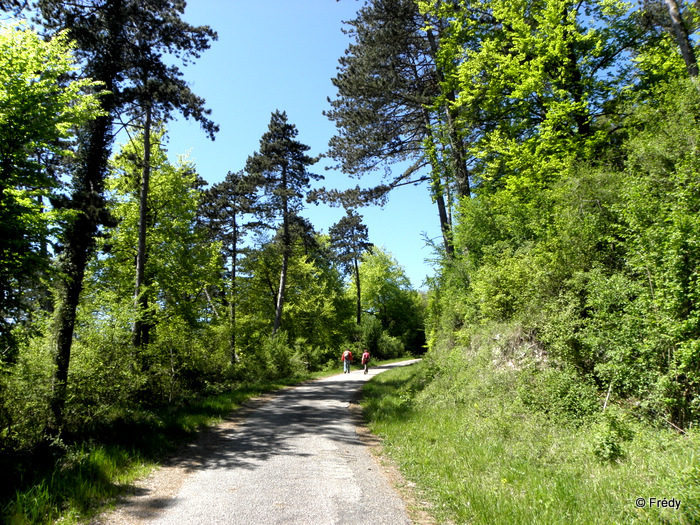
(365,360)
(346,359)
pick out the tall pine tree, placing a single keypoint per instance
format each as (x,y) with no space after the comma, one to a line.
(283,165)
(350,239)
(223,210)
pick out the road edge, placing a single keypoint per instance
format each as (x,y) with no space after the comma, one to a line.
(416,508)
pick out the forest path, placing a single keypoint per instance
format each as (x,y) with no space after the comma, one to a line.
(292,457)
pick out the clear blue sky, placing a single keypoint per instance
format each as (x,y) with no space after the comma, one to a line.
(282,54)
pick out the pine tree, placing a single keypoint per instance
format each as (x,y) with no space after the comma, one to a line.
(222,211)
(283,165)
(350,239)
(393,106)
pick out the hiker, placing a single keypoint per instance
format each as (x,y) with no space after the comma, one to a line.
(365,360)
(346,359)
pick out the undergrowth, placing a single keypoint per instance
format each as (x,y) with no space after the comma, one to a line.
(488,442)
(71,479)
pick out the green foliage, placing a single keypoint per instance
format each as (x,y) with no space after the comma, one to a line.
(688,483)
(610,433)
(181,261)
(461,435)
(559,394)
(39,110)
(26,389)
(387,295)
(318,315)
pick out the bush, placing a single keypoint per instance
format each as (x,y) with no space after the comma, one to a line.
(610,432)
(389,347)
(560,394)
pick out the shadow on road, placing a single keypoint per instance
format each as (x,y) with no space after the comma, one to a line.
(279,424)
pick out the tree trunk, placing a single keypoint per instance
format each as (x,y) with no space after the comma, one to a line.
(438,193)
(459,154)
(280,293)
(359,295)
(141,328)
(79,237)
(88,200)
(286,249)
(232,298)
(682,38)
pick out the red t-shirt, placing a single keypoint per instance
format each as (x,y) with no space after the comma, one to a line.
(347,355)
(365,357)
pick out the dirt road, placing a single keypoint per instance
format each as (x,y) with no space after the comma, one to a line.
(294,459)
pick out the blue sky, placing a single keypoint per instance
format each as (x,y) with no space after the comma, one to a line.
(282,54)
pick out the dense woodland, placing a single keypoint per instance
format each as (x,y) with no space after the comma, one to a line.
(559,142)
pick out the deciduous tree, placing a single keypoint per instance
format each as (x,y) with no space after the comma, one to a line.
(38,111)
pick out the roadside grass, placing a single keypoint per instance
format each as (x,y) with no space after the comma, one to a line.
(478,456)
(73,482)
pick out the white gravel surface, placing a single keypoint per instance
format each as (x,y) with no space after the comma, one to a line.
(296,459)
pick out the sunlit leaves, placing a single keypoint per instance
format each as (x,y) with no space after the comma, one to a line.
(39,110)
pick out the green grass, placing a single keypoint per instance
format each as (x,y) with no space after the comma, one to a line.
(73,483)
(480,457)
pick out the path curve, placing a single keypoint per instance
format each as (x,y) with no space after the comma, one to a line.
(295,458)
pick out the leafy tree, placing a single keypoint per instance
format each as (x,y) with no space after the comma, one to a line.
(317,315)
(156,91)
(350,239)
(39,111)
(282,164)
(181,261)
(659,212)
(387,295)
(109,36)
(545,77)
(13,6)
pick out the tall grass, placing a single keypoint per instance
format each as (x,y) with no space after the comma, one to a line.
(480,455)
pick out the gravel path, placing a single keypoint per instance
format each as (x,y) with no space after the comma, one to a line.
(293,457)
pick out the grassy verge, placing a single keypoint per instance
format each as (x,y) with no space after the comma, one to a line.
(73,483)
(479,456)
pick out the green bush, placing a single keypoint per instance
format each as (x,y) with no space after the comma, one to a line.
(560,394)
(610,432)
(389,347)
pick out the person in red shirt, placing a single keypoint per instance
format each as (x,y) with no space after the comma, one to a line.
(346,359)
(365,360)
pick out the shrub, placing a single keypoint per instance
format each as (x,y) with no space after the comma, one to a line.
(389,347)
(609,434)
(559,394)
